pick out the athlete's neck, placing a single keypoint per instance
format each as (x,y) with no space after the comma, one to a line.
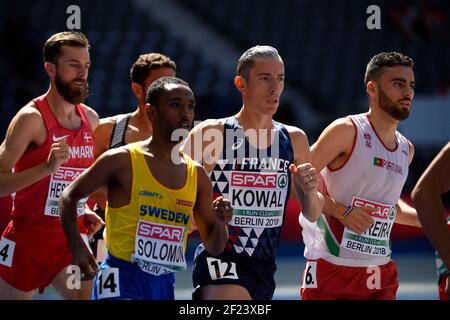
(62,109)
(249,119)
(257,128)
(384,124)
(140,119)
(162,149)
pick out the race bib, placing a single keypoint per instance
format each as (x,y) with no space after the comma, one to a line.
(6,251)
(258,198)
(58,182)
(375,241)
(310,275)
(108,284)
(161,244)
(220,269)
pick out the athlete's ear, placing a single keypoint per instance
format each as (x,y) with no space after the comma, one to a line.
(151,112)
(50,68)
(372,89)
(137,90)
(239,82)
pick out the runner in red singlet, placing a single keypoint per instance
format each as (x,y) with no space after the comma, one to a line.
(49,143)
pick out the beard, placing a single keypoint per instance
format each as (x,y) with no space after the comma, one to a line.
(393,109)
(70,92)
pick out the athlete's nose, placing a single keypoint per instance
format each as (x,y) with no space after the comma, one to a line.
(186,110)
(83,72)
(409,93)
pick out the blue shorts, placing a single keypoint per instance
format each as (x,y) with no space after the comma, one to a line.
(117,279)
(255,275)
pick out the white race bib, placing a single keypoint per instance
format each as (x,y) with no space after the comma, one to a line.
(258,198)
(108,284)
(58,182)
(161,244)
(375,241)
(6,251)
(220,269)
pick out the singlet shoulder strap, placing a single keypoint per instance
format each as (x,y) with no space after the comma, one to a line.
(47,114)
(120,128)
(82,112)
(230,123)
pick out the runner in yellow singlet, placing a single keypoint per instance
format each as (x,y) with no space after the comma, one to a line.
(154,192)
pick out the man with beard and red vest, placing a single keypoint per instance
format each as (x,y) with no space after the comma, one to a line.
(364,162)
(48,144)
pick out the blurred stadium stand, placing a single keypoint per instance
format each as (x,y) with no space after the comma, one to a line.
(324,43)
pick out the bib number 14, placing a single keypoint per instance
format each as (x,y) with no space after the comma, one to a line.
(108,283)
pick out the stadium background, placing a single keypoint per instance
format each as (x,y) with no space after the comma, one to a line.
(325,45)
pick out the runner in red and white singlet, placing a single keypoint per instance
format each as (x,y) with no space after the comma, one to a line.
(364,163)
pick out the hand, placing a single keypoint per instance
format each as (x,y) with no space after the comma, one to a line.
(86,261)
(305,177)
(58,155)
(359,220)
(223,209)
(92,222)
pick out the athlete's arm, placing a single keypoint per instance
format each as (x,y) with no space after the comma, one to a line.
(406,214)
(305,175)
(102,173)
(204,144)
(102,138)
(332,149)
(102,135)
(427,199)
(211,217)
(27,129)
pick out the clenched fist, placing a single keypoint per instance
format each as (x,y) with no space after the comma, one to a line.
(305,177)
(222,208)
(58,155)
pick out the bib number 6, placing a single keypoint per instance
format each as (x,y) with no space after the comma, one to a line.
(309,275)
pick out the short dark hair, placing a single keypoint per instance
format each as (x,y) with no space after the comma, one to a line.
(158,87)
(379,62)
(247,60)
(148,62)
(52,47)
